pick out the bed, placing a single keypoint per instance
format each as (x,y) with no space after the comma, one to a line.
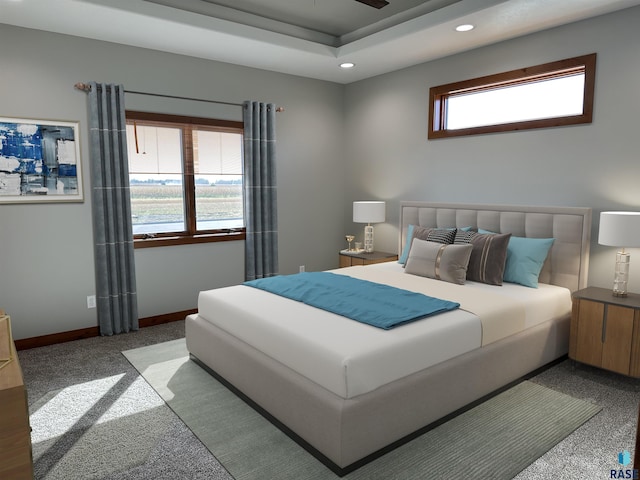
(347,395)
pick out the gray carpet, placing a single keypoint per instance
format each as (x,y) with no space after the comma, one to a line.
(81,396)
(588,453)
(495,440)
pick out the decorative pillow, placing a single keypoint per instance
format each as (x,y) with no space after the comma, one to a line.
(439,235)
(407,246)
(488,256)
(439,261)
(525,258)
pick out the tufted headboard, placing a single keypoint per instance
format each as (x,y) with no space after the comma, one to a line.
(567,264)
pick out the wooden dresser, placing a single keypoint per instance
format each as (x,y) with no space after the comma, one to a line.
(16,462)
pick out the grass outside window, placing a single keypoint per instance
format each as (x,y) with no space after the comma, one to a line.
(185,177)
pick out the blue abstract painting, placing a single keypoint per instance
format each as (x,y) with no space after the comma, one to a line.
(39,161)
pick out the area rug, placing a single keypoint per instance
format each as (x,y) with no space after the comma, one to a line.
(496,439)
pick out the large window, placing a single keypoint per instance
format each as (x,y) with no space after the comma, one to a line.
(185,176)
(549,95)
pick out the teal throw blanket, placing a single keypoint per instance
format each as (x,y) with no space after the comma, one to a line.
(372,303)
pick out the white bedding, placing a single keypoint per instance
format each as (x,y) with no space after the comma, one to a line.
(350,358)
(540,304)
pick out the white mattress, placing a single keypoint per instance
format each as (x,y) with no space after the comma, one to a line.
(350,358)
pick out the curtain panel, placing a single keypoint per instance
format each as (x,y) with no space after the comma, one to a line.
(260,192)
(113,237)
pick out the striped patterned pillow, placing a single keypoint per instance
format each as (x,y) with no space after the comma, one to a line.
(488,255)
(440,261)
(438,235)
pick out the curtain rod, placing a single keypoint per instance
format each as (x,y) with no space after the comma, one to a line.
(86,87)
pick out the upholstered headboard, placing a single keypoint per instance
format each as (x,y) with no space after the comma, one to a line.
(567,264)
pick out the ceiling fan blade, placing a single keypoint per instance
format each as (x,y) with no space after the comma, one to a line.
(374,3)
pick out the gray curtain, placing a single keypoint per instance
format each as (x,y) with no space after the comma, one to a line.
(260,200)
(115,268)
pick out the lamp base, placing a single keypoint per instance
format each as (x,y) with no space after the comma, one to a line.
(368,239)
(621,277)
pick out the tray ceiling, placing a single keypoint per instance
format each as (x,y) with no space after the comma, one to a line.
(309,38)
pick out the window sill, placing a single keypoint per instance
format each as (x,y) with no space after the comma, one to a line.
(188,240)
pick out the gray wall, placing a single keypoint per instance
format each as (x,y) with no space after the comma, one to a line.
(595,165)
(46,251)
(336,144)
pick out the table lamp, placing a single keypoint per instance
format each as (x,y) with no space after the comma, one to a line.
(620,229)
(368,212)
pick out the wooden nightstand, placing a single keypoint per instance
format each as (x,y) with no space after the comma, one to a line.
(605,330)
(349,259)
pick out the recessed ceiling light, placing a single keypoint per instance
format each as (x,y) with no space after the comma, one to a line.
(347,65)
(464,28)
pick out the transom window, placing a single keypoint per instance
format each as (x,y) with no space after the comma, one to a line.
(553,94)
(185,177)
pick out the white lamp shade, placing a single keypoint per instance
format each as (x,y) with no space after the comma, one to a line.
(619,229)
(368,212)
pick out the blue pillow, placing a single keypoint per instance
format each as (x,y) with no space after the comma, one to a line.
(407,246)
(525,259)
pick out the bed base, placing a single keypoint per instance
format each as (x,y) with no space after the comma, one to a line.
(346,433)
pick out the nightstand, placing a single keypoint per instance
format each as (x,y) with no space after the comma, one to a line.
(349,259)
(605,330)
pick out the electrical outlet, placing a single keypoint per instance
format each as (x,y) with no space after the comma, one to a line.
(301,268)
(91,301)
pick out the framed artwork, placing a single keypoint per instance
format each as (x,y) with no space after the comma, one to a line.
(39,161)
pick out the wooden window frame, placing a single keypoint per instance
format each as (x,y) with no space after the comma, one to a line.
(439,95)
(191,235)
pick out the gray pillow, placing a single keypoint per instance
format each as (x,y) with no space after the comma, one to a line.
(439,261)
(488,257)
(438,235)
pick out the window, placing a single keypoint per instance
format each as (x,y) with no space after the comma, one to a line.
(185,177)
(549,95)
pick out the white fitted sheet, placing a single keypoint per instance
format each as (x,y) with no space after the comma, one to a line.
(547,302)
(349,358)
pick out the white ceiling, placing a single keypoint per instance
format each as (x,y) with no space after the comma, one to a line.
(309,38)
